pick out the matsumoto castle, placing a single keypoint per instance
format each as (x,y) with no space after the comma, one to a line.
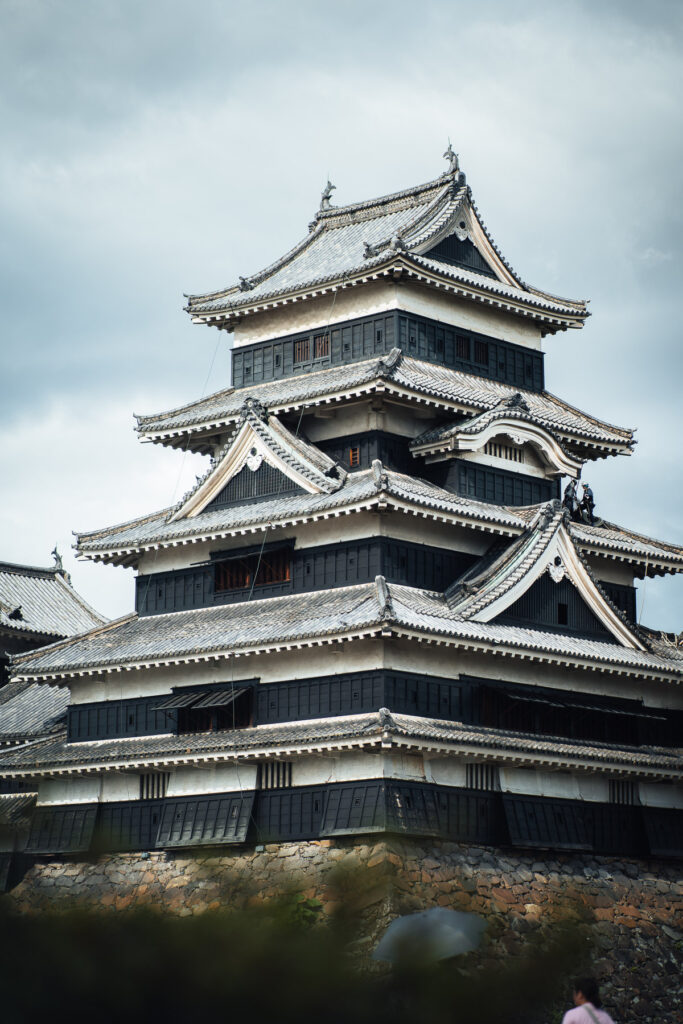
(388,605)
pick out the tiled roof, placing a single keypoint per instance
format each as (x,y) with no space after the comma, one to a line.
(27,709)
(47,602)
(366,730)
(346,243)
(397,374)
(617,540)
(16,810)
(308,619)
(360,490)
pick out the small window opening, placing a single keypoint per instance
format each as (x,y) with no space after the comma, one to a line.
(481,353)
(277,359)
(354,456)
(153,785)
(253,570)
(275,775)
(482,776)
(622,792)
(302,350)
(379,335)
(321,346)
(462,347)
(562,614)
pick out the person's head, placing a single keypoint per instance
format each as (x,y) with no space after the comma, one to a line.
(586,991)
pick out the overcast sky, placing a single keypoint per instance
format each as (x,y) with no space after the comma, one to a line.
(161,147)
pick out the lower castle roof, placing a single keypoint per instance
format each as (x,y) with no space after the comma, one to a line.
(321,617)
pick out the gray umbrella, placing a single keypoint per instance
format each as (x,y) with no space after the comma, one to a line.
(435,934)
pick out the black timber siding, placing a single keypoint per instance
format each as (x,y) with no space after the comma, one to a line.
(624,597)
(534,710)
(118,718)
(391,450)
(557,606)
(319,568)
(460,254)
(494,486)
(247,486)
(365,337)
(355,808)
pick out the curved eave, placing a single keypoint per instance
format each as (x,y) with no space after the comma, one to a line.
(554,318)
(201,437)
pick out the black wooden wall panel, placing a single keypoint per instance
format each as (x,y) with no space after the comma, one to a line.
(393,451)
(319,568)
(288,814)
(460,254)
(355,808)
(558,606)
(553,824)
(205,820)
(664,828)
(624,597)
(494,486)
(110,718)
(128,825)
(252,485)
(66,828)
(365,337)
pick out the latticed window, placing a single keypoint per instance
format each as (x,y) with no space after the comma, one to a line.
(302,350)
(354,456)
(153,785)
(275,775)
(481,353)
(462,347)
(622,792)
(257,570)
(482,776)
(504,451)
(321,346)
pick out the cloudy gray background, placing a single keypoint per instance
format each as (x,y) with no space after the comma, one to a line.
(154,148)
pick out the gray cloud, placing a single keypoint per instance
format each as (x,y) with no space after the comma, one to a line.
(160,148)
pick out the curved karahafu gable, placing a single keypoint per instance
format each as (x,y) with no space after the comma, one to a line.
(258,438)
(512,418)
(489,588)
(400,233)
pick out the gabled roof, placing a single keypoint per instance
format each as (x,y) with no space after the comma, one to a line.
(374,731)
(368,489)
(511,417)
(488,588)
(42,601)
(259,436)
(313,619)
(396,376)
(393,234)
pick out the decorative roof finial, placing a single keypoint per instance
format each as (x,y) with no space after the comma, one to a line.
(325,197)
(59,566)
(452,157)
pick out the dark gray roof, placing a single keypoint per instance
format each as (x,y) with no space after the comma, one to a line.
(393,374)
(28,709)
(16,810)
(347,243)
(48,603)
(368,731)
(123,543)
(321,616)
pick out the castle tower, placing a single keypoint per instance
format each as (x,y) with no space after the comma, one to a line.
(385,607)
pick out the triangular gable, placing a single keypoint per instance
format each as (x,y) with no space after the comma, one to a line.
(463,240)
(555,605)
(261,439)
(484,594)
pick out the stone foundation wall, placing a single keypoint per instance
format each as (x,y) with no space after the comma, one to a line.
(632,910)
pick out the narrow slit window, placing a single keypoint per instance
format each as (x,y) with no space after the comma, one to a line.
(462,347)
(562,614)
(354,456)
(482,776)
(275,775)
(481,353)
(153,785)
(622,792)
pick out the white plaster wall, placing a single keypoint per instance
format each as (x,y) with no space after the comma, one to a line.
(530,465)
(661,794)
(445,771)
(381,296)
(357,765)
(69,791)
(211,779)
(376,413)
(612,572)
(562,785)
(120,786)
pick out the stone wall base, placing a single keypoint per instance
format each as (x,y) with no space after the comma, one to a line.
(632,910)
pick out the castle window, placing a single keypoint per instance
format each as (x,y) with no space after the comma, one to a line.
(562,614)
(481,353)
(622,792)
(462,347)
(503,451)
(212,709)
(255,570)
(481,776)
(302,350)
(354,456)
(153,785)
(275,775)
(321,346)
